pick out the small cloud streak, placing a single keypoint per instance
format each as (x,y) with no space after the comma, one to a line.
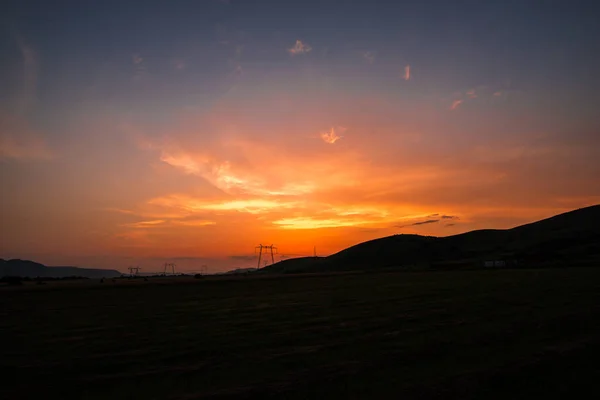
(426,222)
(313,223)
(369,56)
(429,221)
(406,75)
(196,222)
(188,204)
(455,104)
(145,224)
(471,94)
(300,48)
(331,136)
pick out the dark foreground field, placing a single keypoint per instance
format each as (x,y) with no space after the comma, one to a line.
(470,334)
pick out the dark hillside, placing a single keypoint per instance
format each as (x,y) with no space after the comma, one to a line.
(26,268)
(570,238)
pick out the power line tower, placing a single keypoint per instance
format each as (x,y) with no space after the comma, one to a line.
(169,266)
(272,249)
(134,271)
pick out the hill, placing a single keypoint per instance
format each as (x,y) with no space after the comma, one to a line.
(26,268)
(571,238)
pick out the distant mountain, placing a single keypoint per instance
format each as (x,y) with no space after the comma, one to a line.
(572,238)
(25,268)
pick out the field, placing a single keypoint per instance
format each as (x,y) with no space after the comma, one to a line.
(462,334)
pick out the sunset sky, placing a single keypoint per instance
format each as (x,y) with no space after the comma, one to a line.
(135,133)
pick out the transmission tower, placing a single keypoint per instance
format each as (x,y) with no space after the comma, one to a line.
(169,266)
(271,248)
(134,271)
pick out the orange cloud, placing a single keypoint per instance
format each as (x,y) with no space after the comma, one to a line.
(314,223)
(455,104)
(300,48)
(406,75)
(331,136)
(189,204)
(145,224)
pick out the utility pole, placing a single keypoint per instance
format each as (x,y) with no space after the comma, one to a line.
(266,248)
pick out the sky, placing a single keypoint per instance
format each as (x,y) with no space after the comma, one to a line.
(192,131)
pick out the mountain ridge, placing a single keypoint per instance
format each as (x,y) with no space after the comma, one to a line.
(570,237)
(32,269)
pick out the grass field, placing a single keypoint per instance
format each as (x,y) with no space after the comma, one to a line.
(462,334)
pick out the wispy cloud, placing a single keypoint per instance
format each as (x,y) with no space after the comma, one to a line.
(455,104)
(449,217)
(429,221)
(332,136)
(120,211)
(316,223)
(193,205)
(406,75)
(471,94)
(193,222)
(369,56)
(137,59)
(300,48)
(145,224)
(30,76)
(419,223)
(139,68)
